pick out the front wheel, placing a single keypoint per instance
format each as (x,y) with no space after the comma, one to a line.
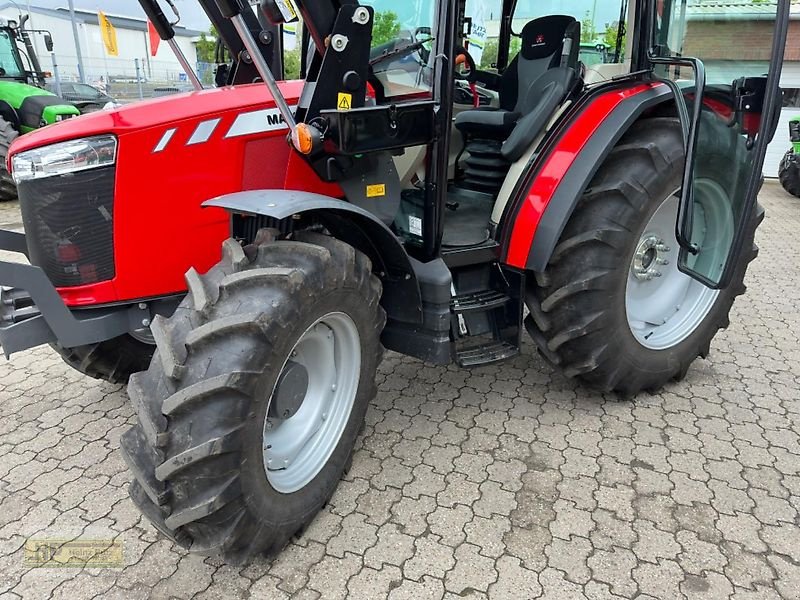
(612,308)
(250,409)
(789,173)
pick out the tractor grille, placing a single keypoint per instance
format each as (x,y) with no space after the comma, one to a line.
(794,131)
(69,225)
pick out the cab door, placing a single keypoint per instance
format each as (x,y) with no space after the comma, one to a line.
(723,61)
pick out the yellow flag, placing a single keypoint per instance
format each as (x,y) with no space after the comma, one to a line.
(109,34)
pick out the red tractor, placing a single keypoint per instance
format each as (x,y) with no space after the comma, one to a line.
(398,197)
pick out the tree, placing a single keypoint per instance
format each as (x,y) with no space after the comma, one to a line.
(386,28)
(291,64)
(588,29)
(610,38)
(492,48)
(206,48)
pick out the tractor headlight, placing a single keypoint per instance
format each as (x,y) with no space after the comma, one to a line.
(64,157)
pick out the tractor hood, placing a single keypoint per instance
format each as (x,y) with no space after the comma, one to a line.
(173,154)
(158,113)
(14,92)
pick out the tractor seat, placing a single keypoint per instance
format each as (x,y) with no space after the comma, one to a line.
(547,43)
(532,87)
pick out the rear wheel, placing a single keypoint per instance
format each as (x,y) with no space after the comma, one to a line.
(8,189)
(789,173)
(114,360)
(250,409)
(612,308)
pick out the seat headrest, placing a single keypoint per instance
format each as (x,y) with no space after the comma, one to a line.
(544,36)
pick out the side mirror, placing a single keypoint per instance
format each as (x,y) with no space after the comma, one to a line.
(159,20)
(48,42)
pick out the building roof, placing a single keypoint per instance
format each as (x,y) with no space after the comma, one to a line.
(91,18)
(739,10)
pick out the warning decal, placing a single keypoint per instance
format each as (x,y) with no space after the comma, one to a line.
(345,101)
(376,191)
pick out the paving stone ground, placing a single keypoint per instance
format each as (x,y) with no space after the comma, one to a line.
(511,482)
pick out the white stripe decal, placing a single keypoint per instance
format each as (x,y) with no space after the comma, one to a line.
(203,132)
(259,121)
(162,143)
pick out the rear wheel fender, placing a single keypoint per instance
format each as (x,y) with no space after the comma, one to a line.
(547,196)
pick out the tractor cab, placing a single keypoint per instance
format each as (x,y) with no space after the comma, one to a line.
(479,173)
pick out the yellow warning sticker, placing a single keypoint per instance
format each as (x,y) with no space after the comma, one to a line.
(376,191)
(345,101)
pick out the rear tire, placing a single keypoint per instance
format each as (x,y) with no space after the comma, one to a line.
(789,173)
(8,189)
(579,316)
(113,360)
(201,448)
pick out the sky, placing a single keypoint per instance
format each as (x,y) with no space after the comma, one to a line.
(193,17)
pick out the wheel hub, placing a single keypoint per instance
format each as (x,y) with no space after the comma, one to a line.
(664,305)
(311,402)
(651,254)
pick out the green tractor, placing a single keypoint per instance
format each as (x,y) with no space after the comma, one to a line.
(789,171)
(24,106)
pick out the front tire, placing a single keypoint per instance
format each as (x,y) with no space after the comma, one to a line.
(205,448)
(789,173)
(587,307)
(8,189)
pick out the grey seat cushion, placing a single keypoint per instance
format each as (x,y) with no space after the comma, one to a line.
(494,123)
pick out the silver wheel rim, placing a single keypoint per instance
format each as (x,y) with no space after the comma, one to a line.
(663,305)
(296,449)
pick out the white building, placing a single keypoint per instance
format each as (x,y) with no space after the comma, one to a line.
(132,41)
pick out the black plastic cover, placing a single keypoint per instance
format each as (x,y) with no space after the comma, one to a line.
(379,128)
(69,224)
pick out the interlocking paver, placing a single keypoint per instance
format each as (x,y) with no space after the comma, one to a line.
(507,482)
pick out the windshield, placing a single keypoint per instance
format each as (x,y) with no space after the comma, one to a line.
(599,26)
(401,44)
(8,56)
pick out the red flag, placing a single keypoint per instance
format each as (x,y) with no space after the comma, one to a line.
(154,39)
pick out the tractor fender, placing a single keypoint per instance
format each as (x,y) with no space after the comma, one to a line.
(9,113)
(546,198)
(350,224)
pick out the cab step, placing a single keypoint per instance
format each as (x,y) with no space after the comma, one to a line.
(479,301)
(486,354)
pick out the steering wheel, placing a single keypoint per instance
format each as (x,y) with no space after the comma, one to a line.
(463,57)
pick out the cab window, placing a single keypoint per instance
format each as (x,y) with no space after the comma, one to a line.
(402,39)
(8,58)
